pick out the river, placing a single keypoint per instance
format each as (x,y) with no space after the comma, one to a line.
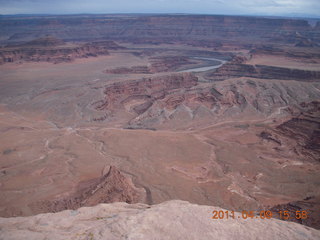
(207,68)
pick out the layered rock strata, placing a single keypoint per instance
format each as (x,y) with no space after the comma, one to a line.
(263,72)
(53,50)
(199,30)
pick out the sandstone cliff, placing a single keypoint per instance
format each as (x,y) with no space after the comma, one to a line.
(53,50)
(196,30)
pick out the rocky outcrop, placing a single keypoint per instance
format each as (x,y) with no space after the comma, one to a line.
(231,70)
(145,90)
(53,50)
(150,99)
(305,130)
(169,220)
(300,133)
(111,187)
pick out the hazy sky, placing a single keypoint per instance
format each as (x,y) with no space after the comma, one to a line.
(233,7)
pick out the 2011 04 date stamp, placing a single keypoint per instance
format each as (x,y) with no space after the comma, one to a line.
(264,214)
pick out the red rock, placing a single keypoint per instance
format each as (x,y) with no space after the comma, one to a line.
(112,187)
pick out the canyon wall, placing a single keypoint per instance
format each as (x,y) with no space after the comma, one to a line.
(54,50)
(192,29)
(263,72)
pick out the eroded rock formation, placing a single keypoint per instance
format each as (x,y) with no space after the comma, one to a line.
(54,50)
(300,133)
(111,187)
(146,90)
(261,71)
(164,97)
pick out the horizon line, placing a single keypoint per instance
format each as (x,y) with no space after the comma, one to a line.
(136,13)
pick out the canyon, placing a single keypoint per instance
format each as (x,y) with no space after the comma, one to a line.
(53,50)
(147,110)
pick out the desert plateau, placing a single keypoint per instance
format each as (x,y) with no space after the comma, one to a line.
(164,113)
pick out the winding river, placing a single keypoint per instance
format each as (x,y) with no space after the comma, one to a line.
(207,68)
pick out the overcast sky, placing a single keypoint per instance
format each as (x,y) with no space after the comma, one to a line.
(232,7)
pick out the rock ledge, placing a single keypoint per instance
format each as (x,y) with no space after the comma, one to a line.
(168,220)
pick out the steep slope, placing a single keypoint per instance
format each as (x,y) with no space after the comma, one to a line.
(111,187)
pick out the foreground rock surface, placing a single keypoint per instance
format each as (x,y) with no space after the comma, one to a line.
(169,220)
